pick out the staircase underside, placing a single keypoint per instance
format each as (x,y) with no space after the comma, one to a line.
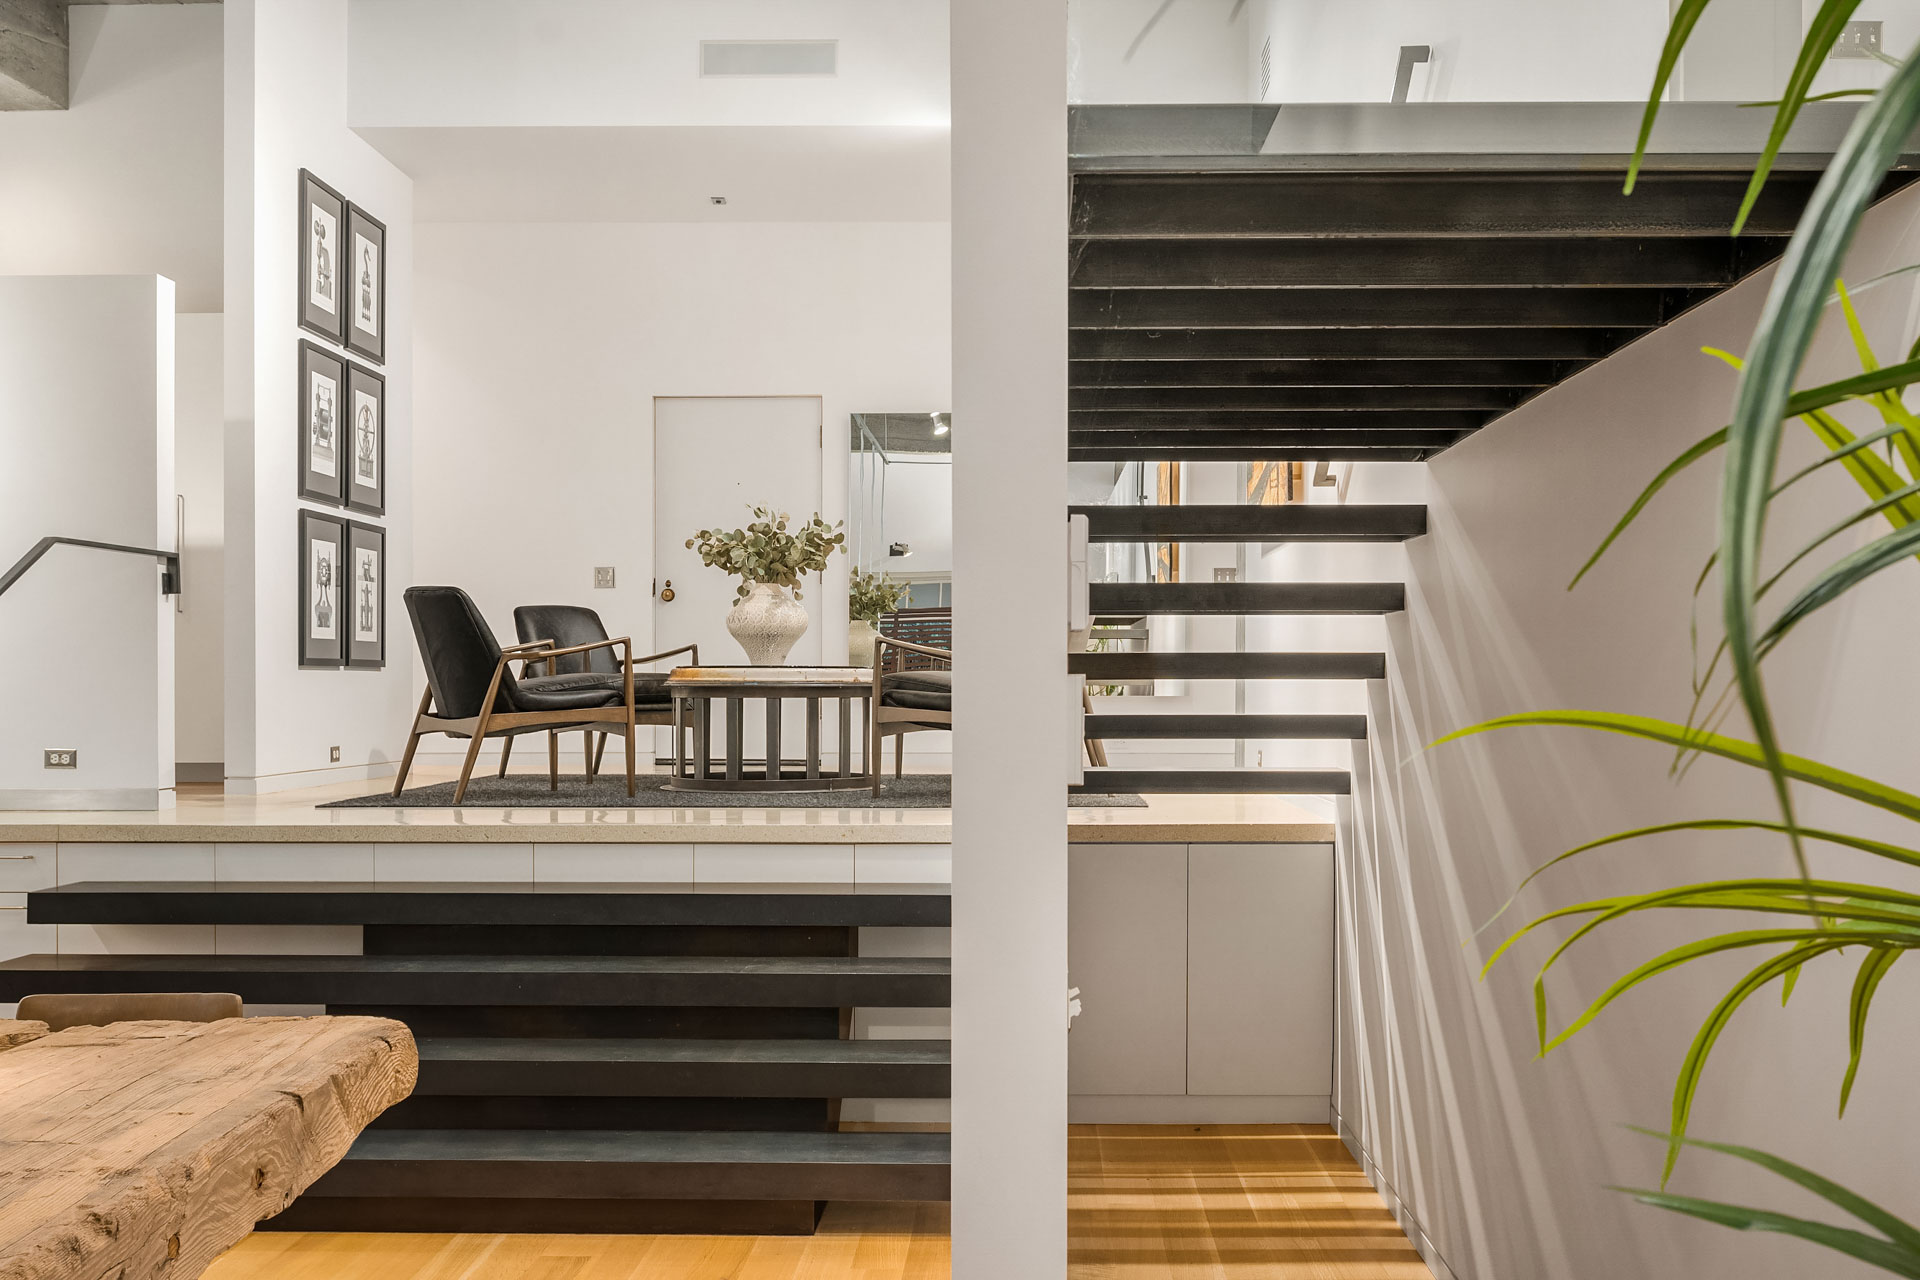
(1237,305)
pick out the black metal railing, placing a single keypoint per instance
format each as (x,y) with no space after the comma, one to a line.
(170,581)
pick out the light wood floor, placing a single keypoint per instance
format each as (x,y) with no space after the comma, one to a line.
(1213,1202)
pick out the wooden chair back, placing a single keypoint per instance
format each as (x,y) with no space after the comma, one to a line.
(932,627)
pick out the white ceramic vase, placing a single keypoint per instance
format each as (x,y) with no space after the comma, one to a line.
(767,623)
(860,634)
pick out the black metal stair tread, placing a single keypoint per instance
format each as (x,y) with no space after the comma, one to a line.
(1216,781)
(500,1165)
(1247,523)
(406,980)
(1228,666)
(666,1050)
(209,902)
(1137,598)
(1238,727)
(599,1146)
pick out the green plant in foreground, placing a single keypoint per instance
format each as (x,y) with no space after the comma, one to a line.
(1896,1247)
(872,595)
(1796,919)
(767,551)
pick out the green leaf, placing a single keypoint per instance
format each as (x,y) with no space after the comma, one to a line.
(1822,31)
(1895,1229)
(1668,472)
(1865,982)
(1787,323)
(1685,15)
(1816,97)
(1838,781)
(1856,1244)
(1842,576)
(1688,1082)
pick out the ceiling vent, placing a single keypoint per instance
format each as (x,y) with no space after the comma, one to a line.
(769,57)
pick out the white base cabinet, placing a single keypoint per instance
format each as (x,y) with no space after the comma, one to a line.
(1206,974)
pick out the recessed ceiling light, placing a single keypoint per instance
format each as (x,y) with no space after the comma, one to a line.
(716,199)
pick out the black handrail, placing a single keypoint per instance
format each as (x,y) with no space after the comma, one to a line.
(170,581)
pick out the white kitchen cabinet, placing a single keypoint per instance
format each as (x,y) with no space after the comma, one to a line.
(1127,952)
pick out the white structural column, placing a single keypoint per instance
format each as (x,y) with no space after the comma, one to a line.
(1010,583)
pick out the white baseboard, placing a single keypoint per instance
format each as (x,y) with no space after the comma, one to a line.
(1402,1213)
(115,799)
(1174,1108)
(267,784)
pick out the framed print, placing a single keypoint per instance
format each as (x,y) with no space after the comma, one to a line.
(366,600)
(366,245)
(323,234)
(324,456)
(365,440)
(323,545)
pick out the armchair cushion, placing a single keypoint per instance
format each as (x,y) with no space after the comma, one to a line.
(566,625)
(565,693)
(649,687)
(919,690)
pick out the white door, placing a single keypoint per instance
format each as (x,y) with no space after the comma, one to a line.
(713,458)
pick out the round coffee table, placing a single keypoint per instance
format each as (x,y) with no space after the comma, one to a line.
(694,691)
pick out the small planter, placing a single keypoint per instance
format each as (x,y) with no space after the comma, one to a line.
(860,637)
(768,622)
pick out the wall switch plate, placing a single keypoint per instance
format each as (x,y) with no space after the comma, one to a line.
(333,754)
(61,758)
(1857,40)
(603,577)
(1227,574)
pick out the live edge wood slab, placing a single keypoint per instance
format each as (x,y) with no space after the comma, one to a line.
(145,1149)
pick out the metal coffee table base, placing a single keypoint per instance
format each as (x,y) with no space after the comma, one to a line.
(696,768)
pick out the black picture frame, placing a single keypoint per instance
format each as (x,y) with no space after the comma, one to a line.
(366,309)
(321,460)
(365,636)
(365,440)
(323,236)
(322,545)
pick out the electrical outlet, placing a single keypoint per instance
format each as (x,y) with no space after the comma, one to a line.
(603,577)
(1857,40)
(333,754)
(1226,574)
(61,758)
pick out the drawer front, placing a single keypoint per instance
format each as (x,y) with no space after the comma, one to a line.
(26,867)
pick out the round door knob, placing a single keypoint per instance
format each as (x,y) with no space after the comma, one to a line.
(666,592)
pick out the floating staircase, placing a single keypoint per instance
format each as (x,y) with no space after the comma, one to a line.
(593,1058)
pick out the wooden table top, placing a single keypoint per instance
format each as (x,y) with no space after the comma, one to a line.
(146,1148)
(800,679)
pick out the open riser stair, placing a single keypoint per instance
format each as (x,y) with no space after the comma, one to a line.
(598,1058)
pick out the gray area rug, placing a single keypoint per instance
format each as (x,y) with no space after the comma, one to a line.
(529,791)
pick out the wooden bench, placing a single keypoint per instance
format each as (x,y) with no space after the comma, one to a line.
(150,1148)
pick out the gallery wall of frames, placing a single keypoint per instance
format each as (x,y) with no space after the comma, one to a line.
(341,418)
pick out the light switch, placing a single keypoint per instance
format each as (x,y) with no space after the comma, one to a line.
(603,577)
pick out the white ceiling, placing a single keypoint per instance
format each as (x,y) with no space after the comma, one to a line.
(796,173)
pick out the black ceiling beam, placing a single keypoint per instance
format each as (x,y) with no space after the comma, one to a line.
(1227,727)
(1244,522)
(1179,342)
(1648,262)
(1356,421)
(1263,443)
(1175,452)
(1116,666)
(1476,205)
(1237,399)
(1084,374)
(1376,308)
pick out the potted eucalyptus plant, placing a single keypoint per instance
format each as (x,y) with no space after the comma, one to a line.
(769,558)
(869,595)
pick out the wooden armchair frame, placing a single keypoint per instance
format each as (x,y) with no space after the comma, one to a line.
(595,751)
(898,722)
(490,723)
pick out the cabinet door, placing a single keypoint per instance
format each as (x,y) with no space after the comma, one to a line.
(1127,952)
(1260,969)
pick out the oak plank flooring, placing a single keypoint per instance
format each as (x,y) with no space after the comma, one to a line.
(1145,1202)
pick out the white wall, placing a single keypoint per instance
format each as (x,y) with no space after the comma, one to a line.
(127,179)
(1148,51)
(919,512)
(199,428)
(536,383)
(636,62)
(286,99)
(86,451)
(1502,1159)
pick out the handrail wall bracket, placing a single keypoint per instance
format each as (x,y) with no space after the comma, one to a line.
(171,582)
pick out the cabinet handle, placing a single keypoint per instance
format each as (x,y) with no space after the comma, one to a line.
(18,857)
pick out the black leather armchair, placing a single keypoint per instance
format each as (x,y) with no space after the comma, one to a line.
(572,626)
(472,692)
(904,700)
